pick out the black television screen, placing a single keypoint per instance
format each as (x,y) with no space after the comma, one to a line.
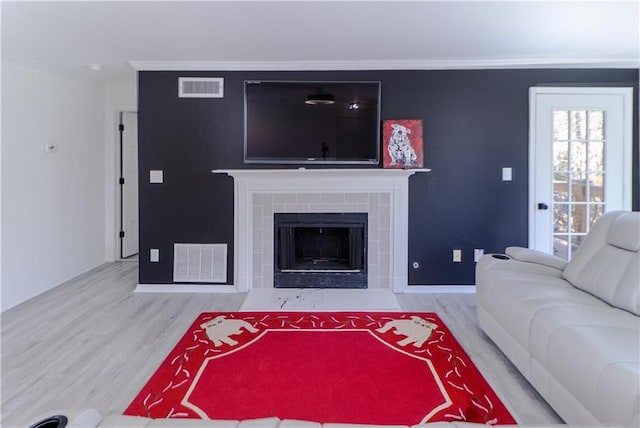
(312,122)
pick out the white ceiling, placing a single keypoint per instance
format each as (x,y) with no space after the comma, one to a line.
(320,34)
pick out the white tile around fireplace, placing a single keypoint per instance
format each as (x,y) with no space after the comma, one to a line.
(381,193)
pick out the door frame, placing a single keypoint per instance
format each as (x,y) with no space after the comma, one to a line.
(120,188)
(114,237)
(627,141)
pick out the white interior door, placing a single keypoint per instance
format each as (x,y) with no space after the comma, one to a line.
(580,162)
(129,184)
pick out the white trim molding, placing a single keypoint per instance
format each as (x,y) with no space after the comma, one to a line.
(185,288)
(443,64)
(454,289)
(393,183)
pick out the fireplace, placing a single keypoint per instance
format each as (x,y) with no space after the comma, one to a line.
(320,250)
(381,193)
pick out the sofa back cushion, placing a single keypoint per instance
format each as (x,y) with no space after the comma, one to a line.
(607,264)
(624,232)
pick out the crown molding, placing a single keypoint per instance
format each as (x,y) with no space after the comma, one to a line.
(384,64)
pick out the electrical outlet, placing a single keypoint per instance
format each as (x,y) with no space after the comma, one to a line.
(477,253)
(457,256)
(154,255)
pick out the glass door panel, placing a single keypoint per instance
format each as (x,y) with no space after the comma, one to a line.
(578,164)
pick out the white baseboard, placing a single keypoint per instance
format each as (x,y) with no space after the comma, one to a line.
(213,288)
(185,288)
(440,289)
(22,298)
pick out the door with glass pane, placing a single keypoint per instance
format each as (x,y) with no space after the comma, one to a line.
(580,163)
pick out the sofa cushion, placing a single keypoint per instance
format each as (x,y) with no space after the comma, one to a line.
(549,319)
(605,266)
(339,425)
(272,422)
(295,423)
(582,357)
(514,299)
(192,423)
(121,421)
(624,232)
(613,276)
(592,243)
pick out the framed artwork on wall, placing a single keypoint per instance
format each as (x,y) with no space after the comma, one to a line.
(402,145)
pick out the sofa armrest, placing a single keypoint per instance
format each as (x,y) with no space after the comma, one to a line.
(534,256)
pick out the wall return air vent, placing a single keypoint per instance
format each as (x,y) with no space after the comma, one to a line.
(200,87)
(195,263)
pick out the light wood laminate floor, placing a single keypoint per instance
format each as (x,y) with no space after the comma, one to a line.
(92,342)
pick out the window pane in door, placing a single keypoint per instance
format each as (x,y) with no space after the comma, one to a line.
(560,187)
(560,155)
(596,125)
(561,125)
(595,211)
(578,119)
(578,156)
(579,188)
(596,156)
(596,187)
(578,218)
(560,218)
(560,246)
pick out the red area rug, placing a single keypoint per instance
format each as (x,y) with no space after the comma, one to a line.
(373,368)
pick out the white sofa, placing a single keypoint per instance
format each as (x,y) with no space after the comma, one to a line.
(91,418)
(572,329)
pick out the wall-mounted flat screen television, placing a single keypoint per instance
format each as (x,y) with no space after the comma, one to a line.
(290,122)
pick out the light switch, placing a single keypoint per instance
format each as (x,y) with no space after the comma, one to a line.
(156,176)
(154,255)
(506,174)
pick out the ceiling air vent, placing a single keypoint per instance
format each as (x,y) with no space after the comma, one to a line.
(200,87)
(200,263)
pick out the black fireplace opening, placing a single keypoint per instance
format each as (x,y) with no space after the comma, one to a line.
(320,250)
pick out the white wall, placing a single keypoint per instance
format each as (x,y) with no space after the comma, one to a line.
(53,204)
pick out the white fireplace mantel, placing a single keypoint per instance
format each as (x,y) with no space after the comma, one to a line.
(250,182)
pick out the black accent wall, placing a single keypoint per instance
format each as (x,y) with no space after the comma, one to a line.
(475,122)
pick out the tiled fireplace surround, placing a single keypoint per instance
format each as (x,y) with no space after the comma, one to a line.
(383,194)
(376,205)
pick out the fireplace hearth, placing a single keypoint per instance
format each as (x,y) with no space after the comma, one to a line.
(320,250)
